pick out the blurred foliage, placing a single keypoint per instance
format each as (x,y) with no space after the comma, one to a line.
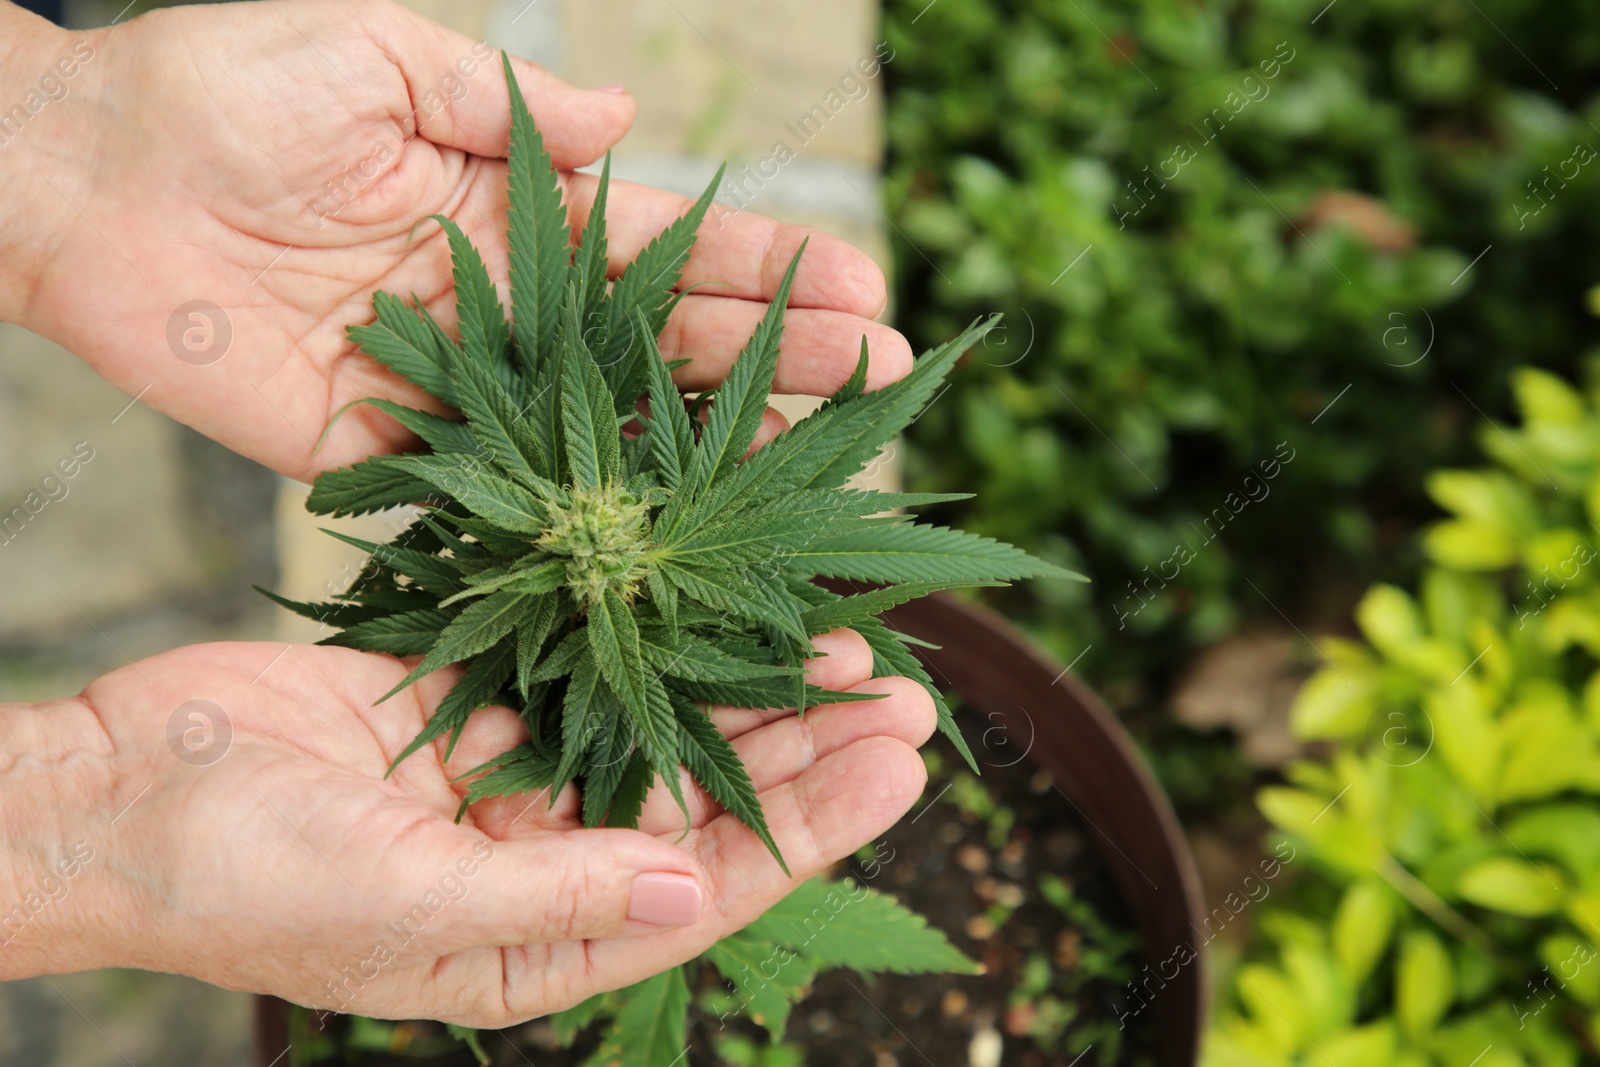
(1047,1003)
(1454,828)
(1206,223)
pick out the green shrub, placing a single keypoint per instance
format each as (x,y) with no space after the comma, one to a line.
(1455,826)
(1186,152)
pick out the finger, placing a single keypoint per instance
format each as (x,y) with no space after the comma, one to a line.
(430,773)
(363,431)
(489,734)
(773,422)
(843,660)
(459,95)
(747,253)
(524,815)
(839,804)
(818,352)
(843,802)
(577,885)
(781,751)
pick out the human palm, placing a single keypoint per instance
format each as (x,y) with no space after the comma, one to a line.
(274,161)
(266,851)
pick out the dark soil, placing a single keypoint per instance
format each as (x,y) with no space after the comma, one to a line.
(977,859)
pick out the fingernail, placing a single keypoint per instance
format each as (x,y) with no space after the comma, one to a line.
(618,88)
(665,899)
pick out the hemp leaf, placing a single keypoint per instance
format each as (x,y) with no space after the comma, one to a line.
(609,584)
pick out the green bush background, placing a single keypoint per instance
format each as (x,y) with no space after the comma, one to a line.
(1452,909)
(1346,261)
(1134,392)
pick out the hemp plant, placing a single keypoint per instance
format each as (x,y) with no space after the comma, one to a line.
(604,560)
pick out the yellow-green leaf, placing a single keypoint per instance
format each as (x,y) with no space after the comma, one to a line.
(1362,926)
(1333,704)
(1424,984)
(1470,546)
(1543,397)
(1514,886)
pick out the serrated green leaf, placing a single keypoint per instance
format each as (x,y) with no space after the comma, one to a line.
(735,592)
(650,1024)
(646,288)
(531,634)
(697,659)
(588,417)
(614,637)
(909,552)
(746,960)
(834,444)
(890,657)
(330,614)
(537,235)
(852,609)
(764,693)
(521,770)
(485,337)
(439,433)
(477,628)
(439,574)
(497,499)
(373,485)
(716,766)
(588,708)
(500,430)
(589,265)
(671,435)
(607,764)
(856,384)
(745,539)
(490,539)
(408,634)
(402,340)
(465,551)
(477,686)
(385,599)
(540,578)
(665,597)
(627,799)
(742,398)
(845,924)
(567,1024)
(563,658)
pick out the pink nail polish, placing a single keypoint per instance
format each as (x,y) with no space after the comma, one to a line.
(618,88)
(665,899)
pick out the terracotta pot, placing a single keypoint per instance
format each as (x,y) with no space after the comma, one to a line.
(1005,682)
(1054,720)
